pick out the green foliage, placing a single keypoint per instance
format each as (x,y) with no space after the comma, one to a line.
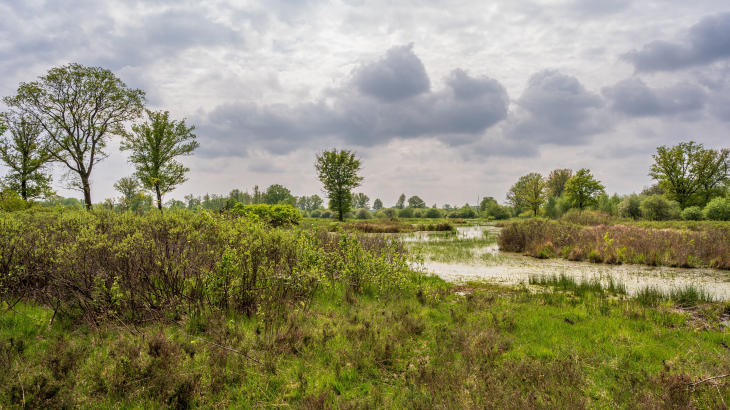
(467,211)
(28,156)
(405,213)
(658,208)
(401,202)
(132,198)
(491,209)
(528,192)
(361,200)
(338,172)
(378,204)
(10,201)
(692,213)
(277,194)
(630,207)
(363,213)
(608,204)
(432,213)
(582,189)
(689,173)
(416,202)
(315,214)
(80,108)
(556,181)
(155,144)
(274,215)
(718,210)
(325,214)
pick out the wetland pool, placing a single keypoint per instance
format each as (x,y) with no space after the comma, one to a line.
(472,254)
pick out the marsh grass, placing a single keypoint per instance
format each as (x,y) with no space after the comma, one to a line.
(565,283)
(685,296)
(451,249)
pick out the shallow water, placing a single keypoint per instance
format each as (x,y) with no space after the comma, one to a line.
(511,268)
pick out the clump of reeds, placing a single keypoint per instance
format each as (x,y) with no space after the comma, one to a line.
(686,296)
(565,283)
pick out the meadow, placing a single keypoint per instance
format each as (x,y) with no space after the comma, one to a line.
(186,310)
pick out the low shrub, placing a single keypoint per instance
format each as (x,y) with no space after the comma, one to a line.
(363,213)
(630,207)
(432,213)
(274,215)
(692,213)
(405,213)
(10,201)
(315,214)
(658,208)
(325,214)
(718,210)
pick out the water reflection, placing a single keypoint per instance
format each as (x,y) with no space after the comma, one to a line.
(510,268)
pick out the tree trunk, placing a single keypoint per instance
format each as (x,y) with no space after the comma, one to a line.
(87,191)
(24,189)
(159,197)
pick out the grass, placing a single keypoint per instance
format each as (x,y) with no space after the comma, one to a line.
(687,296)
(564,283)
(497,347)
(447,248)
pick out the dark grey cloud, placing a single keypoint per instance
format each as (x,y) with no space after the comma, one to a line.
(398,75)
(634,98)
(706,42)
(557,109)
(458,114)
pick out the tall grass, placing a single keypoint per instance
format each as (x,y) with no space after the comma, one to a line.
(686,296)
(565,283)
(618,243)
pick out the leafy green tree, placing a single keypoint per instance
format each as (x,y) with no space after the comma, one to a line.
(361,200)
(243,197)
(690,174)
(378,204)
(315,202)
(80,109)
(401,202)
(658,208)
(528,192)
(132,197)
(27,155)
(416,202)
(556,181)
(583,190)
(630,207)
(276,194)
(338,172)
(467,211)
(155,145)
(485,201)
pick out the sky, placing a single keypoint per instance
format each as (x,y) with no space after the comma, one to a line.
(448,100)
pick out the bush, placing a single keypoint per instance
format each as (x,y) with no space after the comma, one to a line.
(693,213)
(405,213)
(274,215)
(432,213)
(325,214)
(467,212)
(630,207)
(497,211)
(315,214)
(718,210)
(658,208)
(386,213)
(363,213)
(10,201)
(418,213)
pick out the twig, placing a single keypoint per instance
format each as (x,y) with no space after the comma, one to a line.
(31,318)
(22,389)
(708,379)
(226,348)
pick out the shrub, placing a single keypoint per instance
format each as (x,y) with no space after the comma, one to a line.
(718,210)
(10,201)
(630,207)
(453,215)
(432,213)
(325,214)
(387,213)
(363,213)
(405,213)
(418,213)
(658,208)
(315,214)
(693,213)
(274,215)
(467,212)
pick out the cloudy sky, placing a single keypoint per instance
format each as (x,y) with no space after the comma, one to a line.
(449,100)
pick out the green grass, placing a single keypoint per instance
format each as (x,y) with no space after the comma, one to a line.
(447,248)
(496,347)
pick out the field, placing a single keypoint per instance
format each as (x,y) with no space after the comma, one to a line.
(197,311)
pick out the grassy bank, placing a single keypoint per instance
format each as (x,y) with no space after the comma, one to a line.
(619,243)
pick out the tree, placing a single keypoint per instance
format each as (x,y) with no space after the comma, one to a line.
(338,171)
(378,204)
(401,202)
(416,202)
(583,190)
(276,194)
(556,181)
(155,144)
(315,202)
(79,108)
(28,156)
(486,201)
(690,174)
(361,200)
(528,192)
(129,187)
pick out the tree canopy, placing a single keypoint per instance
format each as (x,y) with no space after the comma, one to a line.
(556,181)
(338,172)
(377,204)
(28,156)
(690,174)
(79,108)
(416,202)
(361,200)
(582,189)
(528,192)
(278,194)
(155,145)
(401,202)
